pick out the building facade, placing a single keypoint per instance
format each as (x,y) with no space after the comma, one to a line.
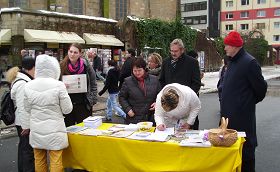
(202,14)
(114,9)
(248,15)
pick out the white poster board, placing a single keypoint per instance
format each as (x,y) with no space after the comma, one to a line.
(75,83)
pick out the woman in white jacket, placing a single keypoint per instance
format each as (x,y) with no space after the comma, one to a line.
(47,100)
(176,104)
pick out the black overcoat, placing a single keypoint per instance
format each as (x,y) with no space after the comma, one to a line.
(243,87)
(186,73)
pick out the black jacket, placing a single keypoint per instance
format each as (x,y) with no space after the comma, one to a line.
(111,82)
(243,87)
(126,70)
(132,97)
(97,65)
(186,73)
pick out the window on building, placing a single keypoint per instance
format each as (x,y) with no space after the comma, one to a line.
(203,5)
(229,27)
(229,3)
(244,26)
(260,26)
(203,19)
(229,16)
(197,6)
(244,2)
(189,21)
(276,25)
(121,9)
(276,37)
(183,8)
(261,13)
(18,3)
(244,14)
(261,1)
(277,12)
(76,6)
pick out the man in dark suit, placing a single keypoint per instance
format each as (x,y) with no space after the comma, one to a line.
(181,68)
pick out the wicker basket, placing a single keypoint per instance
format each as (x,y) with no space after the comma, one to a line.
(222,136)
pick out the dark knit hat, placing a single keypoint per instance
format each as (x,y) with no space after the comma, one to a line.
(28,62)
(233,39)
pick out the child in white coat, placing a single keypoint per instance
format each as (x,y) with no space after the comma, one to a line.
(46,99)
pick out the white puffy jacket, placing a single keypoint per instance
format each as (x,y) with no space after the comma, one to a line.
(47,100)
(17,95)
(186,111)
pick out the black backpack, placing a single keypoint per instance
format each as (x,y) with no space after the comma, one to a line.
(7,112)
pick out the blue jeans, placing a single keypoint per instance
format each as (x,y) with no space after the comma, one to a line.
(99,76)
(112,104)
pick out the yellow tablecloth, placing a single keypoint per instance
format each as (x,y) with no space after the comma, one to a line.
(120,155)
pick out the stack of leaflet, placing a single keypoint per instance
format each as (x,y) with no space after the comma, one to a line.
(93,121)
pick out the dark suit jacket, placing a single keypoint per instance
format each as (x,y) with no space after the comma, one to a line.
(186,73)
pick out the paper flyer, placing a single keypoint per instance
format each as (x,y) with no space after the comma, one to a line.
(75,83)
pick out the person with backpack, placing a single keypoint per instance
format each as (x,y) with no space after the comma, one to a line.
(18,78)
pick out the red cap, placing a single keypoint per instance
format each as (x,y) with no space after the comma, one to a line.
(233,39)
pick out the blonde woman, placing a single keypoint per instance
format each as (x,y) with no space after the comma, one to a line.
(154,64)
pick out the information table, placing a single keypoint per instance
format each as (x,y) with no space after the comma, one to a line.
(104,153)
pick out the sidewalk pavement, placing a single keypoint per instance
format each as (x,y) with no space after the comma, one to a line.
(210,80)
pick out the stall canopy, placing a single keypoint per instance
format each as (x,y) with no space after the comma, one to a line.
(5,36)
(98,39)
(31,35)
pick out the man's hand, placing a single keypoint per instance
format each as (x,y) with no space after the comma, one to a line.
(161,127)
(131,113)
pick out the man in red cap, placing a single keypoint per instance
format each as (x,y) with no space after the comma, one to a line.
(243,87)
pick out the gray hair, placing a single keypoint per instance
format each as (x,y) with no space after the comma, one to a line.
(177,41)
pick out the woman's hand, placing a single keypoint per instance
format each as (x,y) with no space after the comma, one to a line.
(131,113)
(161,127)
(25,132)
(185,126)
(153,106)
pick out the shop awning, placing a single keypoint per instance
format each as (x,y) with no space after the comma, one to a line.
(98,39)
(5,36)
(31,35)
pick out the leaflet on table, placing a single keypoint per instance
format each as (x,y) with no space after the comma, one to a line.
(169,131)
(195,138)
(75,129)
(122,127)
(148,136)
(75,83)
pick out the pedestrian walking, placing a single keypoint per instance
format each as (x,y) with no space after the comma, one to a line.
(243,87)
(111,84)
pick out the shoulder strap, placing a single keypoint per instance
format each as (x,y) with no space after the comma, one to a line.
(20,79)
